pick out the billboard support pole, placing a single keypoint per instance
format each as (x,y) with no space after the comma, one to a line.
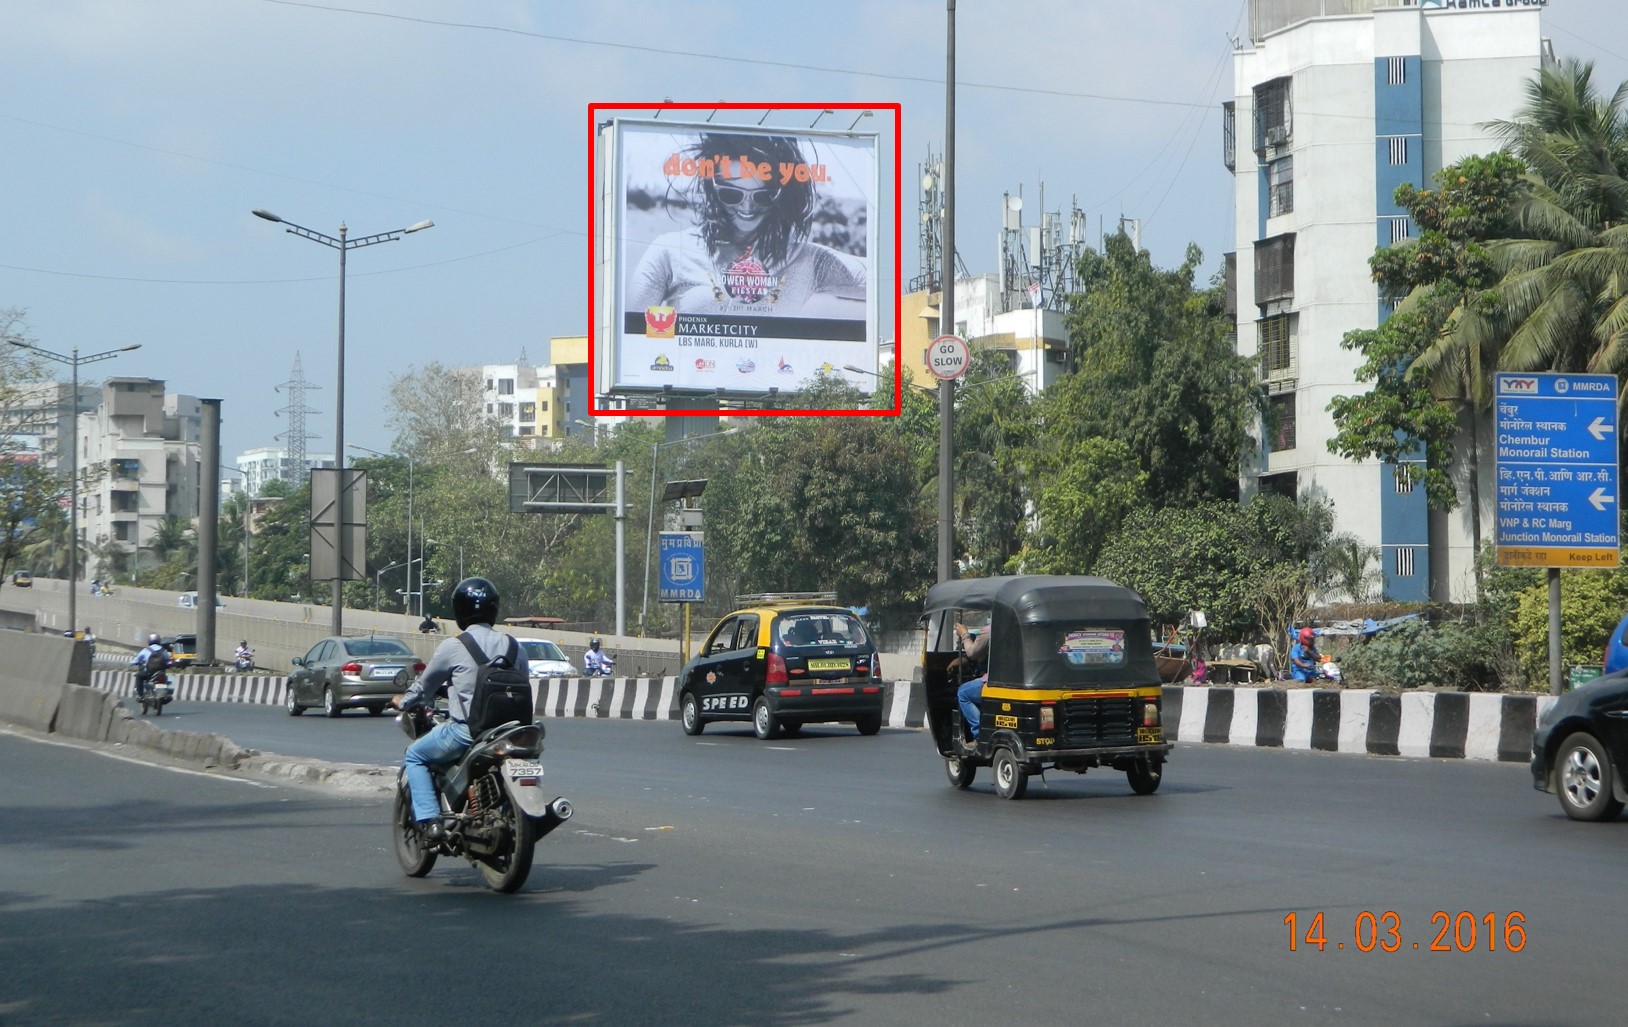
(1554,630)
(621,550)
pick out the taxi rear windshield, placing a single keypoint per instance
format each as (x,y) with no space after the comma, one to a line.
(820,629)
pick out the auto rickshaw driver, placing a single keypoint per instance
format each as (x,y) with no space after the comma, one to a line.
(972,659)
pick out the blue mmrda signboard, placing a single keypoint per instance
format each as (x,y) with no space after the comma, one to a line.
(682,578)
(1556,438)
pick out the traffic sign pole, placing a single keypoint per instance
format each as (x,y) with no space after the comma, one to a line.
(1557,499)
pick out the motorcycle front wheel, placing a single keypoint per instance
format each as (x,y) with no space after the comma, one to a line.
(507,871)
(415,859)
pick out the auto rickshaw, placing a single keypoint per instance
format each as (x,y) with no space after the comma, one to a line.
(1072,682)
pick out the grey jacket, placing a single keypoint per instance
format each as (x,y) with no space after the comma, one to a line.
(451,666)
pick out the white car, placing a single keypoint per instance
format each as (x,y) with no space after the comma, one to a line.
(544,660)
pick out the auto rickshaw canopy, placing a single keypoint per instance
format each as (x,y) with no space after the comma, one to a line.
(1053,630)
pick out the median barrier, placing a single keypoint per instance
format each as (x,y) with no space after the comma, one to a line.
(37,666)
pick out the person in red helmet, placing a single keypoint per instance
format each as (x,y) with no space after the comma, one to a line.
(1304,659)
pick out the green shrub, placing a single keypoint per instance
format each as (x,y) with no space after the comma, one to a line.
(1413,654)
(1591,604)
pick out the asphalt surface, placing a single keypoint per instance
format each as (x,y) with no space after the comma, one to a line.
(828,878)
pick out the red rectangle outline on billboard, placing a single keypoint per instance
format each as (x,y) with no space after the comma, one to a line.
(594,111)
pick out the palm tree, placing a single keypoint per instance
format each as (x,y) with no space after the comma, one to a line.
(1562,303)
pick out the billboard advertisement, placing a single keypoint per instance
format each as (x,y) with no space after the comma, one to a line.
(743,260)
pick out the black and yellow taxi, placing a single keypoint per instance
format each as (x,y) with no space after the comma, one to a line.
(780,661)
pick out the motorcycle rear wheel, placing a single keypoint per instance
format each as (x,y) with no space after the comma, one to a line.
(507,871)
(415,859)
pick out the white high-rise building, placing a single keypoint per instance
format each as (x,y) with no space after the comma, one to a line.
(269,463)
(1336,103)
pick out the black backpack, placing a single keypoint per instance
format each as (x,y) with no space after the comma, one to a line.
(502,693)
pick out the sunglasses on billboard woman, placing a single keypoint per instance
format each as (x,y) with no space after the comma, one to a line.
(731,196)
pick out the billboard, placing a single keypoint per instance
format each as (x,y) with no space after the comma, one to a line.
(742,261)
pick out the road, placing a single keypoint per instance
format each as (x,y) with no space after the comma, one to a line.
(825,879)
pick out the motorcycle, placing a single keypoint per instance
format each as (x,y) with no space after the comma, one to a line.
(492,808)
(158,695)
(244,664)
(600,668)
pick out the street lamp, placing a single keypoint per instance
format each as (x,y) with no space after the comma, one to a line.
(650,538)
(343,245)
(73,360)
(409,511)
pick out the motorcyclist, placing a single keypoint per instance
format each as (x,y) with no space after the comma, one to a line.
(474,607)
(149,661)
(596,662)
(243,659)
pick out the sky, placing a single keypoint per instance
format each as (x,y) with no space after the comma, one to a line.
(137,138)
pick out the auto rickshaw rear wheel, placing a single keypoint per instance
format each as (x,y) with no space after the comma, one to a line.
(1011,779)
(959,771)
(1145,776)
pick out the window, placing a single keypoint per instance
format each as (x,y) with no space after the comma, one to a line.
(1400,228)
(488,385)
(1274,269)
(1280,187)
(1283,422)
(1274,115)
(1403,482)
(1396,71)
(1404,561)
(544,406)
(1286,484)
(527,430)
(528,412)
(1275,339)
(505,386)
(121,530)
(1229,266)
(1399,150)
(1229,135)
(505,411)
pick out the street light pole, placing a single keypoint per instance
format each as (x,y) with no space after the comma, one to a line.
(343,245)
(650,534)
(73,360)
(946,307)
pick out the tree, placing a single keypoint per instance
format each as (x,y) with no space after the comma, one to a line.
(1562,302)
(1152,366)
(1429,376)
(439,412)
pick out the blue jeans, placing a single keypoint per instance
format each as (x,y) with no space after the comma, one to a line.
(444,743)
(969,695)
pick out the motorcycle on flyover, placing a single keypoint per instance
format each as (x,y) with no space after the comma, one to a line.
(492,806)
(160,692)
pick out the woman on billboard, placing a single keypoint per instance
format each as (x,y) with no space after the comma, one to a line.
(749,250)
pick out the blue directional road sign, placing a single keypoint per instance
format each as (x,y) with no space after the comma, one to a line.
(1557,470)
(683,577)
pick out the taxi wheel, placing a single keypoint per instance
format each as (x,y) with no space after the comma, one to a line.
(690,714)
(763,720)
(1011,780)
(1145,776)
(869,725)
(1584,772)
(959,771)
(790,729)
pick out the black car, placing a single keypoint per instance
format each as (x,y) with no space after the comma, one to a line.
(782,661)
(1581,748)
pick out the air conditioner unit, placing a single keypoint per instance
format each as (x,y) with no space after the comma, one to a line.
(1277,135)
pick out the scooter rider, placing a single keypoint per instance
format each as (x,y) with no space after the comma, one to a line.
(244,657)
(595,662)
(474,607)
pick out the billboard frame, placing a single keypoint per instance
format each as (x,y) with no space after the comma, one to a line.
(602,225)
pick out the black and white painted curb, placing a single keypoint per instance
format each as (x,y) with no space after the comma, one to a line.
(1454,725)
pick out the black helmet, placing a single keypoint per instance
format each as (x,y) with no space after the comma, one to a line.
(594,644)
(474,601)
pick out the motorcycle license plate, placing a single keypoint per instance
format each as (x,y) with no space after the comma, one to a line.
(520,770)
(828,664)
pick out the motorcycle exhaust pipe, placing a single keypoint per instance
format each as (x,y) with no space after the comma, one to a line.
(559,811)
